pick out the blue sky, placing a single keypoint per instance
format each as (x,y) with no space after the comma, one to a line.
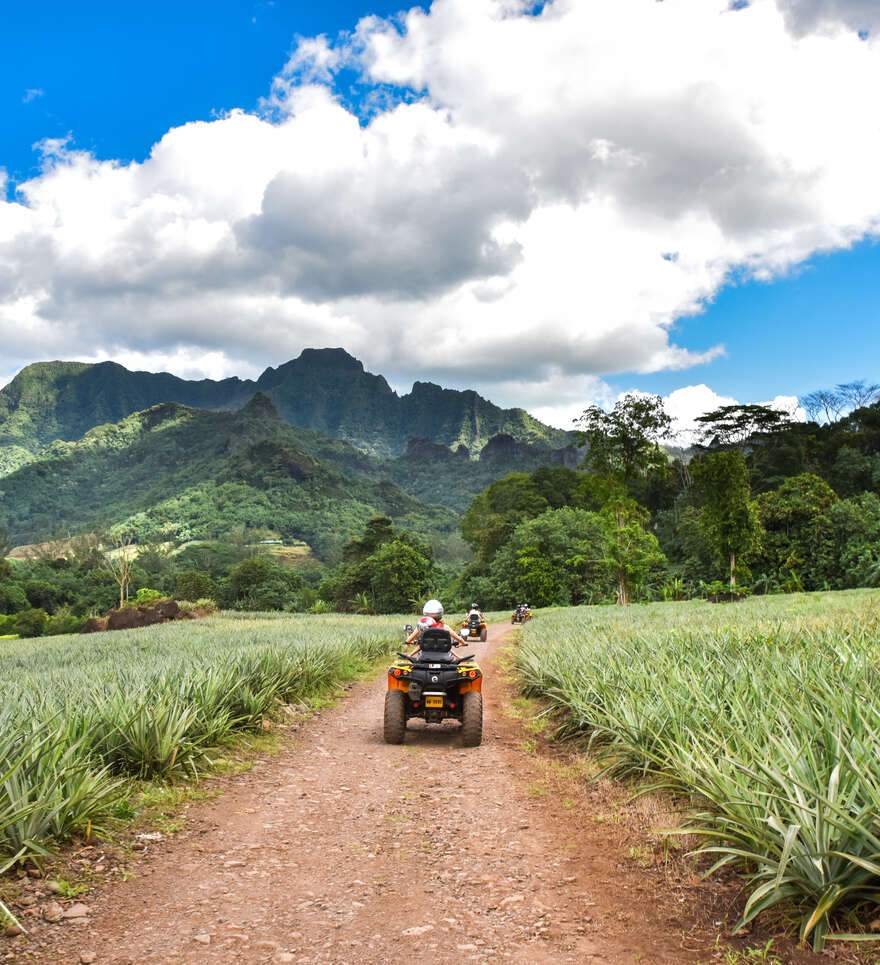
(504,230)
(813,328)
(117,76)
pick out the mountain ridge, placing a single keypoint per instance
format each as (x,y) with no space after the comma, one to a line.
(326,390)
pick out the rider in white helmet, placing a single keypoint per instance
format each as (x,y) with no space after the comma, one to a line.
(433,617)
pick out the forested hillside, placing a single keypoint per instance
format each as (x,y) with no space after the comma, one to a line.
(173,473)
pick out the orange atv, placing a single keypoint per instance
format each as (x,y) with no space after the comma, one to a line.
(434,685)
(473,628)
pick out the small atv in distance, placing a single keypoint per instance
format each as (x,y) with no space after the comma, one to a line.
(521,614)
(434,685)
(473,628)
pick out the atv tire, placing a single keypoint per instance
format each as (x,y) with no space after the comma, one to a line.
(483,635)
(395,716)
(472,719)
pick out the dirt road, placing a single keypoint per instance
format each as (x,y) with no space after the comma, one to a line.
(345,849)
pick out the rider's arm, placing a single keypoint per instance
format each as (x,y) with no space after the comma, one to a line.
(413,637)
(456,637)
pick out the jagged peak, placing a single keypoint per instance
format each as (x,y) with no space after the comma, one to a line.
(260,406)
(330,357)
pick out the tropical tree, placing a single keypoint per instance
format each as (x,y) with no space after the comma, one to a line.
(555,558)
(398,574)
(728,516)
(859,393)
(823,403)
(630,554)
(119,562)
(734,425)
(847,553)
(791,517)
(624,442)
(495,513)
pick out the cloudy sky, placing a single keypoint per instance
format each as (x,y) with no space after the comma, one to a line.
(550,202)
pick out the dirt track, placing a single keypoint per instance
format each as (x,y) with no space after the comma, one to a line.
(345,849)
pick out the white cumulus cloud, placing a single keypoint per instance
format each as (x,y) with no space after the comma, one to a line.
(531,203)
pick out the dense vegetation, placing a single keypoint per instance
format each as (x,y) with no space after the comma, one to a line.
(81,718)
(386,570)
(761,505)
(766,715)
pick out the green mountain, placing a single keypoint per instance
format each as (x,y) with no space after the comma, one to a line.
(64,400)
(174,473)
(435,474)
(325,390)
(177,473)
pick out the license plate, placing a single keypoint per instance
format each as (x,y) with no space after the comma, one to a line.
(433,701)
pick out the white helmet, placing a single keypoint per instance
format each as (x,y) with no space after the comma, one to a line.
(433,608)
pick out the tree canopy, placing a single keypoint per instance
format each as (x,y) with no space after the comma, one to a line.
(625,441)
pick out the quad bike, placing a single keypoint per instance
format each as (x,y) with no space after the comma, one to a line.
(473,628)
(434,685)
(521,614)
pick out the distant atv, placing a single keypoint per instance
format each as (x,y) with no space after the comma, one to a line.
(434,685)
(473,628)
(518,616)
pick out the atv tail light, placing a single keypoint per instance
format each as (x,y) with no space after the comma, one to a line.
(397,672)
(473,675)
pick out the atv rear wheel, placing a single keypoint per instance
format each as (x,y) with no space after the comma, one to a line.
(483,636)
(395,716)
(472,719)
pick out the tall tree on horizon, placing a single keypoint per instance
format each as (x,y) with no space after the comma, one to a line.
(728,516)
(625,441)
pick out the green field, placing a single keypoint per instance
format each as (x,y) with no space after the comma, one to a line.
(84,716)
(765,714)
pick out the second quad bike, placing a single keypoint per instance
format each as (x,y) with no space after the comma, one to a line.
(473,628)
(434,685)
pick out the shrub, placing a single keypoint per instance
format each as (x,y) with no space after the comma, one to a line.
(204,605)
(31,623)
(12,598)
(64,621)
(41,594)
(147,597)
(195,585)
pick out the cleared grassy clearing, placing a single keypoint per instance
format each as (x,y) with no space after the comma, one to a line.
(766,713)
(83,716)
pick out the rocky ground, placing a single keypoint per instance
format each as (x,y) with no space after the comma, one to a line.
(344,849)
